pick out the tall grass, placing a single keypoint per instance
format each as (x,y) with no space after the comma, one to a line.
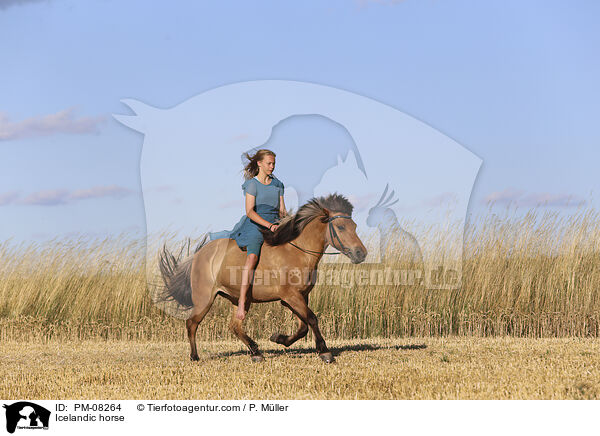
(533,275)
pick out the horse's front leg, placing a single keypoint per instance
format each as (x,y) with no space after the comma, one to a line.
(297,304)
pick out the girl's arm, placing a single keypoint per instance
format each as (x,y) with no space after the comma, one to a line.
(282,210)
(251,213)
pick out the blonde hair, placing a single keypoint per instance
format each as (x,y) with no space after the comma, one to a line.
(251,169)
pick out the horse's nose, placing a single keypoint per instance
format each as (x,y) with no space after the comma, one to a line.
(360,254)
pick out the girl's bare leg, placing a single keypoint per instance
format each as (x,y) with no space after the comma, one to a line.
(247,277)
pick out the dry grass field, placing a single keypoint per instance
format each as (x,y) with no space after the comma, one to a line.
(414,368)
(77,321)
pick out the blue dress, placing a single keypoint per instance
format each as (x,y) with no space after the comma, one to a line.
(246,232)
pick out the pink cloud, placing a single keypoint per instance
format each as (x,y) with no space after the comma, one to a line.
(60,122)
(50,197)
(54,197)
(8,197)
(100,191)
(518,197)
(447,198)
(506,196)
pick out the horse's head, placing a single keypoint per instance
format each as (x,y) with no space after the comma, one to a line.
(379,213)
(341,235)
(339,232)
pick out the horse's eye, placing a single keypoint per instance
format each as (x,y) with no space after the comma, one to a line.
(341,227)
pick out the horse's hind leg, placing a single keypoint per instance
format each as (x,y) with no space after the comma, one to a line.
(237,329)
(289,340)
(199,311)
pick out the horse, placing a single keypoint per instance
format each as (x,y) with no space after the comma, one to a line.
(292,253)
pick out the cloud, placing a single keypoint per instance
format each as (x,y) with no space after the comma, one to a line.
(507,196)
(558,200)
(60,122)
(47,198)
(100,191)
(54,197)
(131,230)
(5,4)
(8,197)
(445,198)
(516,197)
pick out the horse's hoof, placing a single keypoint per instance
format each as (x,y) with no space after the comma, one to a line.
(194,358)
(257,358)
(327,357)
(277,338)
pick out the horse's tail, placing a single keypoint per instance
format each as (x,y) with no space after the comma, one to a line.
(176,275)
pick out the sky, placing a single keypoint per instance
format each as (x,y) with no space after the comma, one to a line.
(513,82)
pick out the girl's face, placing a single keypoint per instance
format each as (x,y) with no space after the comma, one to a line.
(267,165)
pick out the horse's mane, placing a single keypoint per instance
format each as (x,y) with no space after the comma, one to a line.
(291,226)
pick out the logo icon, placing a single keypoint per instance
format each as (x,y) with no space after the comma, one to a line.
(26,415)
(409,184)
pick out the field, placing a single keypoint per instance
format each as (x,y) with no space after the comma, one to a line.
(415,368)
(524,324)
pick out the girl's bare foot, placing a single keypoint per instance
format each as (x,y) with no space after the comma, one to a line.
(241,313)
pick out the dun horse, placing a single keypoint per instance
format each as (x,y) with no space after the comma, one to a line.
(294,249)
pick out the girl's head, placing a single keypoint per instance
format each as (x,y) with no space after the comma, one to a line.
(263,160)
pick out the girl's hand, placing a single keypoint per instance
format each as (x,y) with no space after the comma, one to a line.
(273,227)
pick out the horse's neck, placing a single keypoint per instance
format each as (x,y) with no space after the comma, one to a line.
(313,238)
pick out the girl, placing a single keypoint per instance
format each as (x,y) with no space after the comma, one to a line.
(264,206)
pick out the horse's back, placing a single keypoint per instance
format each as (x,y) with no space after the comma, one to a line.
(209,260)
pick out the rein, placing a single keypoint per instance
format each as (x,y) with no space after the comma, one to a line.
(332,233)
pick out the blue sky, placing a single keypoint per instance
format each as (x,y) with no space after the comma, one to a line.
(514,82)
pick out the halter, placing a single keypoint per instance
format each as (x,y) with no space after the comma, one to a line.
(332,233)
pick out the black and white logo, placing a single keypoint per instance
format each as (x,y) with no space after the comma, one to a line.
(26,415)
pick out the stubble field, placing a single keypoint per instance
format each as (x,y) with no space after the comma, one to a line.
(392,369)
(77,321)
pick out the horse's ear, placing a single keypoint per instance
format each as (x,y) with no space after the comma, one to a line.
(326,216)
